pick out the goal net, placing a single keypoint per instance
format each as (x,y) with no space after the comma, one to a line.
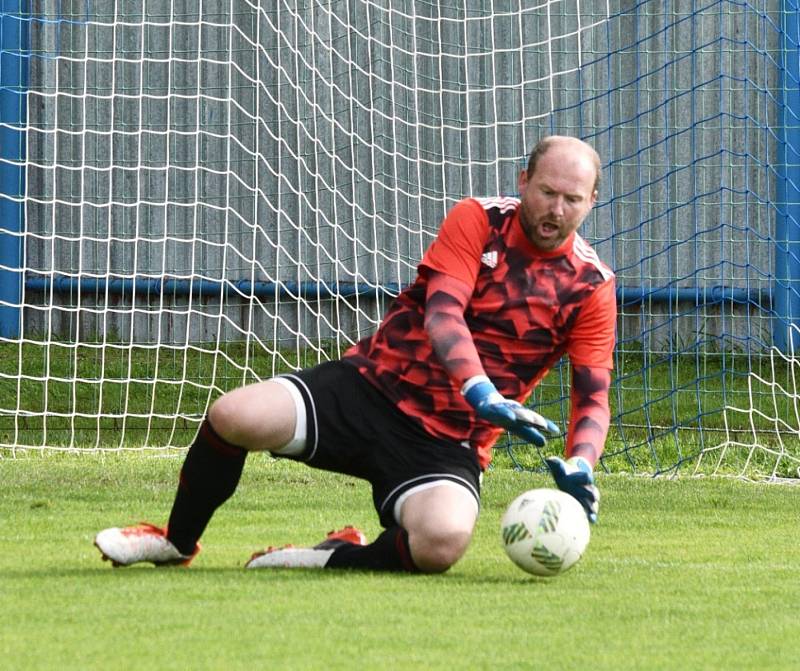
(197,194)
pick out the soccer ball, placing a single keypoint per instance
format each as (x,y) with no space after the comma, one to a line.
(545,531)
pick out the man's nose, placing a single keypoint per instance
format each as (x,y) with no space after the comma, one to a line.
(557,206)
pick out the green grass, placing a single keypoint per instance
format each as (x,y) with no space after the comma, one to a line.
(666,410)
(683,574)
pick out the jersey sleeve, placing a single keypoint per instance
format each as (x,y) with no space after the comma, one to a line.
(592,339)
(448,333)
(457,249)
(589,416)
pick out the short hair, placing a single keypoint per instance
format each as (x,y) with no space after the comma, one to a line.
(547,142)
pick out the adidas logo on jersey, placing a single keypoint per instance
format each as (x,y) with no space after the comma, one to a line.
(489,259)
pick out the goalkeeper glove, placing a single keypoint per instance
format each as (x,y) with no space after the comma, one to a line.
(482,395)
(574,476)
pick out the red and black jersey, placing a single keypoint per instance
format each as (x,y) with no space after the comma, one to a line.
(528,308)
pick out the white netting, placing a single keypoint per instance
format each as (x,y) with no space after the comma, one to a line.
(219,190)
(212,191)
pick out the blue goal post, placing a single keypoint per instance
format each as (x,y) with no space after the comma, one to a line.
(14,58)
(787,230)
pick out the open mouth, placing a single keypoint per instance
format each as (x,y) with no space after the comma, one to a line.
(547,229)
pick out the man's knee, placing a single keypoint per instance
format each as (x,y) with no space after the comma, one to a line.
(223,416)
(435,551)
(439,521)
(257,417)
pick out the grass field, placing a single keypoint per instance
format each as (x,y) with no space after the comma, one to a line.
(683,574)
(669,413)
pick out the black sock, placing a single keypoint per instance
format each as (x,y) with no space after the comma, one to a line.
(208,478)
(389,552)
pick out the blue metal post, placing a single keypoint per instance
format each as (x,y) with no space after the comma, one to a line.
(787,229)
(14,58)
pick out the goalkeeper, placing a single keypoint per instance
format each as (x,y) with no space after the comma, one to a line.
(506,288)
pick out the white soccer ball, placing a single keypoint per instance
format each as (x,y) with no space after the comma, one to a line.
(545,531)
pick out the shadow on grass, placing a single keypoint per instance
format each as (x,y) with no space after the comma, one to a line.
(274,575)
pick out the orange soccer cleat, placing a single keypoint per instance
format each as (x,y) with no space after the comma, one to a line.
(142,542)
(289,556)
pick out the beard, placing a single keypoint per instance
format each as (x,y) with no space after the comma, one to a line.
(544,233)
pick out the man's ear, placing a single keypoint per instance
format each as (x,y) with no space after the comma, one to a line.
(522,180)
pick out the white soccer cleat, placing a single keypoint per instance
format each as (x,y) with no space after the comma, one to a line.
(316,557)
(289,557)
(140,543)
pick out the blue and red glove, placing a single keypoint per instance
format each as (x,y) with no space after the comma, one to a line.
(490,405)
(574,476)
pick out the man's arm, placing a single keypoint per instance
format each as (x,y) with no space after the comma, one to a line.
(447,299)
(588,428)
(590,415)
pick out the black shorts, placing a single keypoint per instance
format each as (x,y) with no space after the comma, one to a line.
(354,429)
